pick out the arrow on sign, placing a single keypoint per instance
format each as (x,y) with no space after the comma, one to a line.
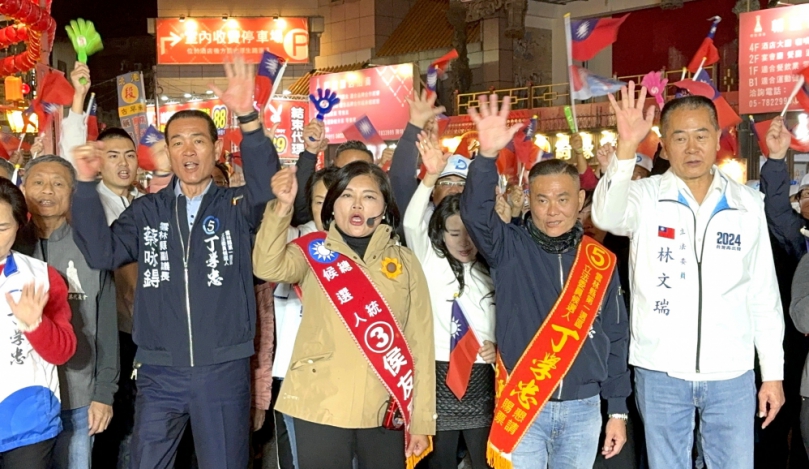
(175,39)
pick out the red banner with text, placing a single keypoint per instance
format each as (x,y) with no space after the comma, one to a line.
(773,47)
(212,40)
(380,93)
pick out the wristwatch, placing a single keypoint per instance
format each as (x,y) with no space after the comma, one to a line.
(619,416)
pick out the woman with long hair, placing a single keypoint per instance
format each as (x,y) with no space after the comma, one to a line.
(462,293)
(37,337)
(361,380)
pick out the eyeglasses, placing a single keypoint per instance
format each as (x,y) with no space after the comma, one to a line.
(451,183)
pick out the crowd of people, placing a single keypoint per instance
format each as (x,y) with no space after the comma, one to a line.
(417,316)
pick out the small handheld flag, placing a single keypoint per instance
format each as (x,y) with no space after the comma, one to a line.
(590,36)
(92,119)
(463,351)
(270,71)
(363,130)
(148,146)
(587,85)
(707,53)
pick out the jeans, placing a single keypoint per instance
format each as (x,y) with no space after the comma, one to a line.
(74,446)
(563,436)
(726,412)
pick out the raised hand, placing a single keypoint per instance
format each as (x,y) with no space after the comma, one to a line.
(633,125)
(270,133)
(314,137)
(80,78)
(386,158)
(238,96)
(284,187)
(503,210)
(432,155)
(422,108)
(493,133)
(603,155)
(516,198)
(37,146)
(88,159)
(778,139)
(28,310)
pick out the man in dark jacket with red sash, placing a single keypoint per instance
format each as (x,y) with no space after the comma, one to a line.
(562,326)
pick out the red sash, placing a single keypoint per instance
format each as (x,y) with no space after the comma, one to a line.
(369,320)
(550,354)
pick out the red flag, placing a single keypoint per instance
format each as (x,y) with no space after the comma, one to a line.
(590,36)
(803,97)
(440,64)
(801,146)
(92,122)
(55,89)
(151,142)
(706,51)
(805,73)
(363,130)
(463,352)
(760,130)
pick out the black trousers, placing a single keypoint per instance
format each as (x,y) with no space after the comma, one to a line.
(445,448)
(36,456)
(327,447)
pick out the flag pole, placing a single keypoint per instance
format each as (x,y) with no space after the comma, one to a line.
(682,76)
(277,80)
(701,64)
(569,46)
(794,93)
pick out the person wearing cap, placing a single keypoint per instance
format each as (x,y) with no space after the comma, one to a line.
(705,297)
(643,167)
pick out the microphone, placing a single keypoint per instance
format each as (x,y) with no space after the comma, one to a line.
(370,222)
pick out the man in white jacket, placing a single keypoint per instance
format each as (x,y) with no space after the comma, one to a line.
(705,295)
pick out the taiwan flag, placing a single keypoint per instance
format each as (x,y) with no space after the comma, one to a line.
(92,122)
(759,130)
(146,148)
(587,85)
(665,232)
(803,93)
(270,72)
(706,54)
(363,130)
(438,68)
(590,36)
(463,351)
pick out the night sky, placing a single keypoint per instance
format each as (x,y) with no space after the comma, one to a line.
(112,18)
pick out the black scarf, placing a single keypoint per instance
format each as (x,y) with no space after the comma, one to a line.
(559,244)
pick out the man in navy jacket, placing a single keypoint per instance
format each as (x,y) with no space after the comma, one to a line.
(530,265)
(194,317)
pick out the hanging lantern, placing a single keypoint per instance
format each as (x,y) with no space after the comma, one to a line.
(13,88)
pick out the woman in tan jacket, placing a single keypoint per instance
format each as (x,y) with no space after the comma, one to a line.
(335,395)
